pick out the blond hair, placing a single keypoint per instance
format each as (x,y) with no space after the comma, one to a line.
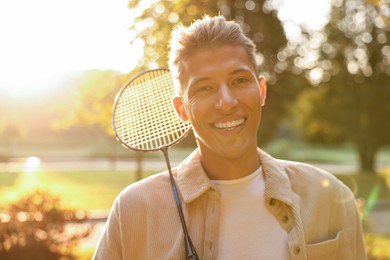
(208,32)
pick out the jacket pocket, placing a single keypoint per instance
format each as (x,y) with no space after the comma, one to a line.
(325,249)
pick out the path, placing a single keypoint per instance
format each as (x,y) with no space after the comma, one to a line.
(17,165)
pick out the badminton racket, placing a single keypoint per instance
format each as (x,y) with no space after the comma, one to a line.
(144,119)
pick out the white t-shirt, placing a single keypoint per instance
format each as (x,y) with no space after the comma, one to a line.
(247,230)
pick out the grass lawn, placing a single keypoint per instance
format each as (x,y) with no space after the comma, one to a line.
(303,152)
(88,190)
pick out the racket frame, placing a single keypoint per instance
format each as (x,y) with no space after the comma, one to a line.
(116,101)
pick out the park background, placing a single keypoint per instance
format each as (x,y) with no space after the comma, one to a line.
(327,65)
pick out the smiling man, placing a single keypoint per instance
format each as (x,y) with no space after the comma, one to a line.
(222,98)
(238,201)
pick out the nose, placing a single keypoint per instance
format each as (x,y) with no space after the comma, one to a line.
(225,99)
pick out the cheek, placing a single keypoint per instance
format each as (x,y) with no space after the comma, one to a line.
(192,112)
(196,111)
(252,99)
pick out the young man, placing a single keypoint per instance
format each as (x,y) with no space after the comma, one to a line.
(238,201)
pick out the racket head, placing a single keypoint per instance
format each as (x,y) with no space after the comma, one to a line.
(143,116)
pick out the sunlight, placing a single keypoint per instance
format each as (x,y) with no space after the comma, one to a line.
(312,15)
(325,183)
(44,39)
(29,178)
(32,163)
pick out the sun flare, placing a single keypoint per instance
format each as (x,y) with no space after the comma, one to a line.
(44,39)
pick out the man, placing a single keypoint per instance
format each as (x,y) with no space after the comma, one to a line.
(238,201)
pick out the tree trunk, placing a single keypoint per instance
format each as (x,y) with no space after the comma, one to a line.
(139,159)
(367,153)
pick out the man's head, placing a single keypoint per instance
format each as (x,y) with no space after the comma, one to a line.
(206,33)
(221,93)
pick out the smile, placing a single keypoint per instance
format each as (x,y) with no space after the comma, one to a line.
(229,125)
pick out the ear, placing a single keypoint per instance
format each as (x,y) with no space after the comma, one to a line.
(178,104)
(263,89)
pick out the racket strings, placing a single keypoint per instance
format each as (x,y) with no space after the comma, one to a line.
(147,122)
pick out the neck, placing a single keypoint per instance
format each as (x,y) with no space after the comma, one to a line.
(226,168)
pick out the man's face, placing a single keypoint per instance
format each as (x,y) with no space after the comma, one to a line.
(222,98)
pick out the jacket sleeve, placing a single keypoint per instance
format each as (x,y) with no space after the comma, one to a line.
(353,226)
(110,243)
(358,237)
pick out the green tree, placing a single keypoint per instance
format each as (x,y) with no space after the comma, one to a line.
(93,97)
(351,100)
(155,20)
(91,105)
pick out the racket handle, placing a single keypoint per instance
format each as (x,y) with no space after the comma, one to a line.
(190,249)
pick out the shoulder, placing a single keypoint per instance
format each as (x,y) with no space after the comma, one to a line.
(304,170)
(303,178)
(144,193)
(306,178)
(297,172)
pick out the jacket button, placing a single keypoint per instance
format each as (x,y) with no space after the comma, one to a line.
(285,219)
(272,202)
(297,250)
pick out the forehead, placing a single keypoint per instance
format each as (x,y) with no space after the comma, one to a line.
(215,62)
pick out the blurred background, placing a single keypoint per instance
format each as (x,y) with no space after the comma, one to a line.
(327,64)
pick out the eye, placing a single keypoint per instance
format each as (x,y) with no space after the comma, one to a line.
(203,88)
(240,80)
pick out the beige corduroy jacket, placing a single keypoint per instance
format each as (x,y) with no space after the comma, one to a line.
(315,208)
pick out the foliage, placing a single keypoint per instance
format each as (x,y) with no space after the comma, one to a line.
(377,246)
(349,64)
(155,20)
(385,173)
(34,228)
(94,93)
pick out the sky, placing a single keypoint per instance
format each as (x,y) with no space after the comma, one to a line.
(44,39)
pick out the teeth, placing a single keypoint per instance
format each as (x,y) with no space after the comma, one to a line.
(229,125)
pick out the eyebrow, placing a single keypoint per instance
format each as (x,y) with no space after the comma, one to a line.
(196,81)
(236,71)
(240,70)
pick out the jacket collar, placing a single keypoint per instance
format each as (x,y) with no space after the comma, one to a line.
(193,181)
(277,183)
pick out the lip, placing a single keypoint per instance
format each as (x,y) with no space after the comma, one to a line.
(229,125)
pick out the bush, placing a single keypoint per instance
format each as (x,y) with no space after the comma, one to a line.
(377,246)
(35,227)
